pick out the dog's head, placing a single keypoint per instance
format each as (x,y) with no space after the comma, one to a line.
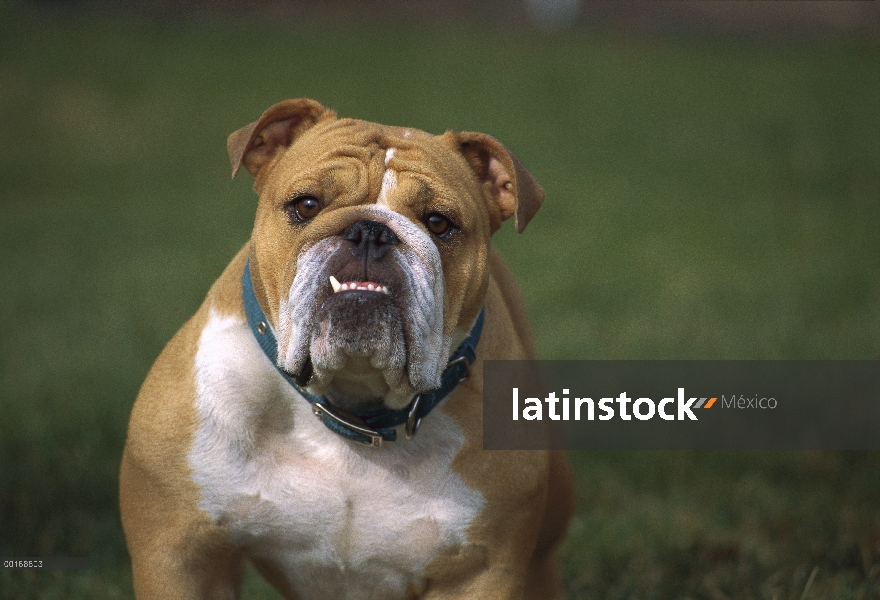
(370,246)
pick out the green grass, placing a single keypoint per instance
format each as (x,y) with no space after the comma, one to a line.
(707,198)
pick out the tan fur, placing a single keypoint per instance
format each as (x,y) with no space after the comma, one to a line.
(179,551)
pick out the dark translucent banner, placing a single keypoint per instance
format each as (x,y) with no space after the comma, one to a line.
(678,405)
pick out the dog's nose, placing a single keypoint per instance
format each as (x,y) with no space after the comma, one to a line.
(369,237)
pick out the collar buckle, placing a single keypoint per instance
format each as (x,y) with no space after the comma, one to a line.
(412,421)
(348,421)
(461,360)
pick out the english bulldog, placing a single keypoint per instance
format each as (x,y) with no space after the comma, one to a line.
(320,416)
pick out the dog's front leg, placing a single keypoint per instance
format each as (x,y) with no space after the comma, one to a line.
(176,551)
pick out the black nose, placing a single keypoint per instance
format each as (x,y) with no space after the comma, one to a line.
(369,237)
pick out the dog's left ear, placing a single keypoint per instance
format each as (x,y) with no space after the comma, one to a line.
(510,189)
(256,144)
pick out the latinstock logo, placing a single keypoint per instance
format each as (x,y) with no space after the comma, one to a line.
(643,409)
(679,405)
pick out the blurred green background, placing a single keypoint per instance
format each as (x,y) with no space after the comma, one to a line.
(710,195)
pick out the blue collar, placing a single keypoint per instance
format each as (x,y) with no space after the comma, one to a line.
(374,426)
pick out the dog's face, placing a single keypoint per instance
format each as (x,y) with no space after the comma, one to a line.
(370,245)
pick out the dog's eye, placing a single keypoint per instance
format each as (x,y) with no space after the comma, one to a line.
(439,225)
(303,208)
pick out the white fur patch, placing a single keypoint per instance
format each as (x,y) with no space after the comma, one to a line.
(343,521)
(389,180)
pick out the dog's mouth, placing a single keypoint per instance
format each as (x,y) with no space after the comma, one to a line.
(358,286)
(358,347)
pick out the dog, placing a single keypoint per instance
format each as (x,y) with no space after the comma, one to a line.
(320,415)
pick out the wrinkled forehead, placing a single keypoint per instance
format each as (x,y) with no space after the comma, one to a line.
(412,149)
(364,133)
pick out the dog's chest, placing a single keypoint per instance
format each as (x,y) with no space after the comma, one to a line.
(341,520)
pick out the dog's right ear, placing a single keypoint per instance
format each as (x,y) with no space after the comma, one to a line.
(256,144)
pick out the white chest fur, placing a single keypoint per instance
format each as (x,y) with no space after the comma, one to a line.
(342,520)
